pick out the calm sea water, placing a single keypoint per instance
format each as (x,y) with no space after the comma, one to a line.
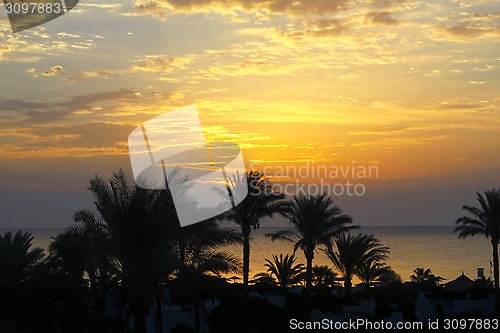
(435,247)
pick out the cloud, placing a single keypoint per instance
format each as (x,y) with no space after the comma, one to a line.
(91,135)
(41,43)
(149,8)
(319,28)
(294,7)
(383,18)
(386,3)
(82,101)
(383,130)
(475,25)
(83,75)
(53,71)
(399,142)
(486,16)
(157,64)
(465,31)
(40,112)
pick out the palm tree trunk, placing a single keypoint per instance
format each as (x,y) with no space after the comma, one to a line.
(139,323)
(309,260)
(76,302)
(102,300)
(494,242)
(347,287)
(246,271)
(139,310)
(159,313)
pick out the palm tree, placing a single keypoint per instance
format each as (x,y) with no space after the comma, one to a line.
(139,237)
(139,222)
(284,270)
(484,220)
(189,244)
(484,282)
(100,263)
(375,271)
(85,249)
(424,278)
(316,221)
(24,275)
(200,276)
(261,201)
(352,253)
(69,252)
(323,276)
(18,261)
(191,240)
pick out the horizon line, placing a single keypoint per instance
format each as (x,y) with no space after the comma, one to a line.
(236,226)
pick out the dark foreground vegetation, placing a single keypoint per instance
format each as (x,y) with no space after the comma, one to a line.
(120,265)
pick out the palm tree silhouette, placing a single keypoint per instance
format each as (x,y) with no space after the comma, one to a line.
(352,252)
(200,277)
(323,276)
(316,221)
(261,201)
(375,271)
(424,278)
(18,261)
(23,274)
(85,248)
(484,220)
(138,222)
(284,269)
(191,240)
(137,240)
(69,252)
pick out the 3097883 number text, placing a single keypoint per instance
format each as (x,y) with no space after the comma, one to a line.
(19,7)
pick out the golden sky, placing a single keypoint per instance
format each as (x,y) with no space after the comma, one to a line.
(409,86)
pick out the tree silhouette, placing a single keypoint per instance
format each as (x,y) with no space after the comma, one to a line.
(424,278)
(352,252)
(284,270)
(323,276)
(316,221)
(260,202)
(484,220)
(85,249)
(24,274)
(375,271)
(138,221)
(17,261)
(200,278)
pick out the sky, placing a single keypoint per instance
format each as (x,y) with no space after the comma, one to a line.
(408,89)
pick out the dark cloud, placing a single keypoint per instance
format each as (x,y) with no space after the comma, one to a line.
(150,8)
(383,18)
(473,25)
(487,16)
(296,7)
(386,3)
(38,112)
(78,76)
(95,134)
(83,101)
(470,32)
(462,106)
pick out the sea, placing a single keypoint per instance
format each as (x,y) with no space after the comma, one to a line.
(434,247)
